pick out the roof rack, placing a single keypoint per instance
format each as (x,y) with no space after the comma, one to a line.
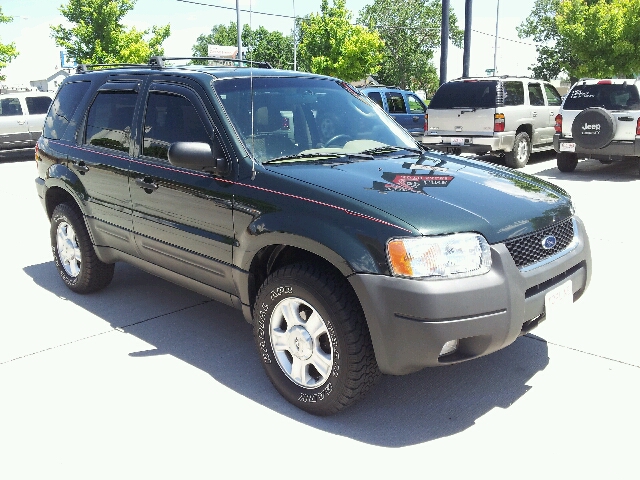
(158,62)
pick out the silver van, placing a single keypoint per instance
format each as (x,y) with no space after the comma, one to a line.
(510,116)
(22,118)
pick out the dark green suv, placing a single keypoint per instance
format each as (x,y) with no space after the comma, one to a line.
(351,254)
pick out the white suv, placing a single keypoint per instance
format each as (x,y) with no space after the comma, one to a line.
(22,118)
(510,116)
(599,119)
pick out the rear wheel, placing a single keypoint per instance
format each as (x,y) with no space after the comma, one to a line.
(313,339)
(567,161)
(519,156)
(73,253)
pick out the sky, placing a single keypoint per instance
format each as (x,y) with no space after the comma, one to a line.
(40,57)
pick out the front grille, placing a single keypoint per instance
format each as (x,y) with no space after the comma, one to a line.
(527,249)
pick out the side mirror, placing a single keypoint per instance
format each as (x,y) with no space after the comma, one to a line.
(199,156)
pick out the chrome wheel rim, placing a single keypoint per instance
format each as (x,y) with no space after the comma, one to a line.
(68,249)
(522,151)
(301,343)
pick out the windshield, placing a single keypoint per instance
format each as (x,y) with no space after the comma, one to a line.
(302,117)
(608,96)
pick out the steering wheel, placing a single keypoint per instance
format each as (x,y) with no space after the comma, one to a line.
(335,138)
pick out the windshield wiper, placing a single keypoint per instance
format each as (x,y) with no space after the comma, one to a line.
(389,149)
(318,156)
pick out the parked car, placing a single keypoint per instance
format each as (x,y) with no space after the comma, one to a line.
(510,116)
(351,255)
(406,107)
(599,119)
(22,117)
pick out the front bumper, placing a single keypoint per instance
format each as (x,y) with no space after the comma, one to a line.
(410,320)
(616,150)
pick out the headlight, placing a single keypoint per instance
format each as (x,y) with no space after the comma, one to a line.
(457,255)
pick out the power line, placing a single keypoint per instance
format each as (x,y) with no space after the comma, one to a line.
(234,9)
(280,15)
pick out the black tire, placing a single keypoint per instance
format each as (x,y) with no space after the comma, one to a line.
(593,128)
(567,161)
(519,156)
(73,253)
(300,297)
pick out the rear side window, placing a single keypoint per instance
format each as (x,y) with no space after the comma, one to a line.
(395,102)
(63,108)
(376,97)
(513,93)
(38,105)
(10,107)
(465,94)
(608,96)
(110,119)
(415,105)
(535,95)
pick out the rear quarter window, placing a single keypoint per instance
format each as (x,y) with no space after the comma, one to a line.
(376,97)
(465,94)
(10,107)
(513,93)
(63,109)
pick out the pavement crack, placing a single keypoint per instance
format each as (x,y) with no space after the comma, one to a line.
(533,337)
(111,330)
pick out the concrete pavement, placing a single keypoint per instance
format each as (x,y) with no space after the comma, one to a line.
(148,380)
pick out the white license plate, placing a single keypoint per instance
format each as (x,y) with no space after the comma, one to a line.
(568,147)
(457,141)
(558,301)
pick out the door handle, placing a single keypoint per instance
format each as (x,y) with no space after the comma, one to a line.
(80,167)
(21,122)
(534,114)
(416,118)
(146,184)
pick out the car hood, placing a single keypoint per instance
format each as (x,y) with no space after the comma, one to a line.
(436,193)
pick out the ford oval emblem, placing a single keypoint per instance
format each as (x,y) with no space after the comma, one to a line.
(549,242)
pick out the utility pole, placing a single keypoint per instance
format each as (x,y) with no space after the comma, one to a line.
(495,48)
(239,32)
(466,56)
(444,41)
(295,37)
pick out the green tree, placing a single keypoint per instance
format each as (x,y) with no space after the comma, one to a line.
(98,36)
(584,38)
(604,36)
(554,53)
(411,31)
(331,45)
(262,44)
(7,50)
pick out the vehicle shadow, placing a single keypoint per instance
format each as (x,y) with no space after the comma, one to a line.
(17,155)
(214,338)
(590,170)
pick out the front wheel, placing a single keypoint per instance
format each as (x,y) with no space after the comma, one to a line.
(73,253)
(519,156)
(567,161)
(313,339)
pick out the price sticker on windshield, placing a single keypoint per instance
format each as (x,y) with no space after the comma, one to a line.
(558,301)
